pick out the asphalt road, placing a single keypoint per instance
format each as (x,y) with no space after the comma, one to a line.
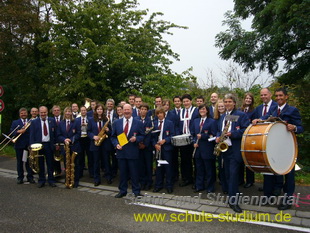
(26,208)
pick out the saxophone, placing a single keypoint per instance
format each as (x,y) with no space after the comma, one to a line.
(69,166)
(102,134)
(222,146)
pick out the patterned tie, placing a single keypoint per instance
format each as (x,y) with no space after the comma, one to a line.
(100,126)
(83,121)
(201,124)
(109,113)
(160,125)
(178,112)
(279,111)
(265,110)
(68,126)
(24,121)
(246,110)
(44,128)
(126,127)
(57,121)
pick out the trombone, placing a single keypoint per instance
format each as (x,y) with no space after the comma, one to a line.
(7,138)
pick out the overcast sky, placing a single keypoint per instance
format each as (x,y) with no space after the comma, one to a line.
(195,45)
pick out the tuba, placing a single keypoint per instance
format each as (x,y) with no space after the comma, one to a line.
(34,157)
(102,134)
(69,166)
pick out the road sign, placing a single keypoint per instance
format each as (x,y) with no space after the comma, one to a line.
(1,91)
(1,105)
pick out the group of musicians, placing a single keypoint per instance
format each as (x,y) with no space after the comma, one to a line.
(149,133)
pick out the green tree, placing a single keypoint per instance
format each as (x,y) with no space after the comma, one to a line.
(101,48)
(280,32)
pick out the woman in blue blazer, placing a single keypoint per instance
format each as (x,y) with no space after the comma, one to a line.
(68,131)
(101,152)
(248,108)
(203,129)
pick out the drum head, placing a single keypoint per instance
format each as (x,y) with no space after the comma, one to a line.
(36,146)
(281,149)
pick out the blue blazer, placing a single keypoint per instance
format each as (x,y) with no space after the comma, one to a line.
(259,110)
(90,113)
(211,112)
(291,115)
(73,134)
(36,132)
(131,149)
(182,115)
(237,130)
(209,129)
(168,132)
(23,141)
(92,130)
(146,125)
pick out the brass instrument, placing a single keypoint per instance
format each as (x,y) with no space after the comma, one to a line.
(102,134)
(69,166)
(87,103)
(25,127)
(57,155)
(34,157)
(8,138)
(222,146)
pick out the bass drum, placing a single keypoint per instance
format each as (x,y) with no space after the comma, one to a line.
(269,148)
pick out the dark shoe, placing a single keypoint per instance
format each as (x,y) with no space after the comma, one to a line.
(40,185)
(53,185)
(260,189)
(248,185)
(169,190)
(75,185)
(31,181)
(109,181)
(156,190)
(184,183)
(138,195)
(19,181)
(120,195)
(147,187)
(97,183)
(198,190)
(241,183)
(284,207)
(142,186)
(225,192)
(236,208)
(194,186)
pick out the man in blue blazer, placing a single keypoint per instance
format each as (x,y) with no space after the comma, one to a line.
(128,155)
(162,143)
(264,111)
(85,144)
(43,130)
(22,144)
(146,149)
(267,107)
(187,117)
(232,157)
(292,117)
(213,99)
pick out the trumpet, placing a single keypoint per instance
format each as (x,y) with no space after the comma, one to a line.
(25,127)
(7,138)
